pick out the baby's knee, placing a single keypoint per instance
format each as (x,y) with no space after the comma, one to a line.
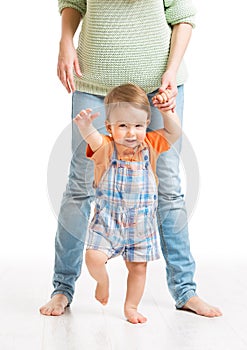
(137,268)
(95,258)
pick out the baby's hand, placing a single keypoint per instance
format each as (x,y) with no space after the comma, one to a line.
(163,101)
(85,117)
(161,97)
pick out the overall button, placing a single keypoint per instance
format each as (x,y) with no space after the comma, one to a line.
(99,192)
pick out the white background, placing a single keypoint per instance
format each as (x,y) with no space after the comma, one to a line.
(35,109)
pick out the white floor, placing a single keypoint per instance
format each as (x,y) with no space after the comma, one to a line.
(88,325)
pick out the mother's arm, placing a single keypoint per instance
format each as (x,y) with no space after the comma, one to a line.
(67,57)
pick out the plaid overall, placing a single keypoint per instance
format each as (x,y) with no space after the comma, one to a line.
(124,221)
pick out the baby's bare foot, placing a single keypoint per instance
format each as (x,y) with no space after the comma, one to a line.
(56,306)
(201,308)
(133,316)
(102,291)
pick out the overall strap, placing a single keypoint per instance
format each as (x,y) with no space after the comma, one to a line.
(114,153)
(146,156)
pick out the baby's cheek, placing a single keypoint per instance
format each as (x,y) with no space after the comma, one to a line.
(141,136)
(118,134)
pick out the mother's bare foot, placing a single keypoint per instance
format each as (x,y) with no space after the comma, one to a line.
(200,307)
(56,306)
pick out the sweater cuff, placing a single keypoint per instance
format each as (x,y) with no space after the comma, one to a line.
(180,12)
(80,6)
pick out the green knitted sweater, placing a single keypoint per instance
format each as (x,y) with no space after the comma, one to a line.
(126,41)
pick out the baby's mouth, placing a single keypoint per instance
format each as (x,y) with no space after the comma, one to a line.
(130,141)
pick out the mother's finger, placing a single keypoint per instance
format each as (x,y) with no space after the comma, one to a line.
(171,107)
(63,78)
(66,78)
(170,102)
(70,80)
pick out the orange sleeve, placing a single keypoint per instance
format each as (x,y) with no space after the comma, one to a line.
(157,141)
(94,155)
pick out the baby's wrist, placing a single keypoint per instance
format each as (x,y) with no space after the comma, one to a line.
(87,131)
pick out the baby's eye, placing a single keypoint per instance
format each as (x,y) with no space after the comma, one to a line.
(139,126)
(122,125)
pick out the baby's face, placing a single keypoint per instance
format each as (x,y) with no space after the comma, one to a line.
(128,125)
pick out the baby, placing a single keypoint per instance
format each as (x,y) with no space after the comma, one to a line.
(124,221)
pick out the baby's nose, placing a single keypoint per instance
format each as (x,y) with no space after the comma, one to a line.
(130,131)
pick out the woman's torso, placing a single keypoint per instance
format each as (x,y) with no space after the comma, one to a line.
(123,41)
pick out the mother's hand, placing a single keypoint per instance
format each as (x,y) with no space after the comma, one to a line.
(168,82)
(67,63)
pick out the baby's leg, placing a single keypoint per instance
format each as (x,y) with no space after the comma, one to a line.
(95,261)
(135,288)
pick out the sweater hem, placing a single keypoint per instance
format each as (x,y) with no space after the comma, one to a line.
(101,90)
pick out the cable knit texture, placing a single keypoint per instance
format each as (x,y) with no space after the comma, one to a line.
(126,41)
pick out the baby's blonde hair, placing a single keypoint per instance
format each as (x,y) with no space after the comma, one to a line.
(127,94)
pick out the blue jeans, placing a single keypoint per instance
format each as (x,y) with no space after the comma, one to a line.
(79,193)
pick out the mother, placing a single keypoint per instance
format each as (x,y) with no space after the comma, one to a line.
(142,42)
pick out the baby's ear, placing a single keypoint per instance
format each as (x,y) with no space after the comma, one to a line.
(108,126)
(148,122)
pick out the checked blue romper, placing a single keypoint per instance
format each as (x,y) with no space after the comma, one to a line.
(124,221)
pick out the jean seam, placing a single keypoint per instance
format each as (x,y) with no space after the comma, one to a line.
(164,245)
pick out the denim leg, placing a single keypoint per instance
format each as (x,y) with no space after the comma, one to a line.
(172,219)
(76,203)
